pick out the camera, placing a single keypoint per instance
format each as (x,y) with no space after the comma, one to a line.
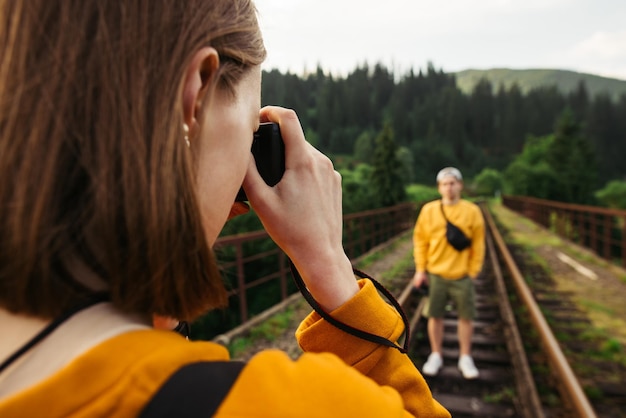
(269,153)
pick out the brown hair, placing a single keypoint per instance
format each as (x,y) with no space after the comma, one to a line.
(98,186)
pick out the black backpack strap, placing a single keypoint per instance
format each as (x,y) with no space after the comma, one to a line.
(195,390)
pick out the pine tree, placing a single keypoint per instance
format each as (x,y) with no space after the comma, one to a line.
(386,181)
(572,159)
(481,109)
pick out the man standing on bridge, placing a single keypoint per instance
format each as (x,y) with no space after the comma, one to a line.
(449,259)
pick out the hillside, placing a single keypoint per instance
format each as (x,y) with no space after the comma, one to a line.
(566,81)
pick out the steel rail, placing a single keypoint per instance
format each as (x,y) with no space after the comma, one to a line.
(569,385)
(528,402)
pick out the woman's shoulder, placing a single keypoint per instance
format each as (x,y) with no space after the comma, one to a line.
(147,356)
(122,373)
(159,345)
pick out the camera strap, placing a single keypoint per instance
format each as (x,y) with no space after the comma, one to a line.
(347,328)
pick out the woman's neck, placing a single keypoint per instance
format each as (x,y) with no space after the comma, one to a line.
(76,335)
(16,330)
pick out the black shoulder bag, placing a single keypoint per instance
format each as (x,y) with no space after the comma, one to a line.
(454,235)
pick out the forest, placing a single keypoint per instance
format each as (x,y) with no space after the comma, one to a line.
(543,143)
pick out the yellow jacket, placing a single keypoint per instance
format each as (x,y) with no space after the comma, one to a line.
(434,254)
(119,376)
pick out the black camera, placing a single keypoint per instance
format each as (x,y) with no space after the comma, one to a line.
(269,153)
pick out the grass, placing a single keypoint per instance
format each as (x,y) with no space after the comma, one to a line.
(586,257)
(371,259)
(239,345)
(375,256)
(506,394)
(400,267)
(595,306)
(603,346)
(593,393)
(537,259)
(268,330)
(538,239)
(273,327)
(614,350)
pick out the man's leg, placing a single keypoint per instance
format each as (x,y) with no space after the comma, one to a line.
(465,330)
(435,310)
(434,363)
(435,334)
(464,296)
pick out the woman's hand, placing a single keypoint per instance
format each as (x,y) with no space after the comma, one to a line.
(302,213)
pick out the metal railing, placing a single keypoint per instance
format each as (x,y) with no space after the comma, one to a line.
(600,229)
(246,269)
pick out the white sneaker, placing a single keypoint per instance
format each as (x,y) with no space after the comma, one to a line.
(433,364)
(467,367)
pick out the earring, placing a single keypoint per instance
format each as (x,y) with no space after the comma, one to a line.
(186,135)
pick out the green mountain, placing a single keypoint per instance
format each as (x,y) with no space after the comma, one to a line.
(566,81)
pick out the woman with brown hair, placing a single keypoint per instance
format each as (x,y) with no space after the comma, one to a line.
(125,135)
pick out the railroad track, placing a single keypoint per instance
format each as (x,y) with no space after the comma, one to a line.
(506,387)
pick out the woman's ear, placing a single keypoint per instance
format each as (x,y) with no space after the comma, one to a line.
(199,77)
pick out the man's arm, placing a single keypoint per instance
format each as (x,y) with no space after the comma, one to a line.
(420,250)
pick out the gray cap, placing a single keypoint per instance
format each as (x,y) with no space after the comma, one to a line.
(449,171)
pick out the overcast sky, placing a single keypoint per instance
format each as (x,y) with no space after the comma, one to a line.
(580,35)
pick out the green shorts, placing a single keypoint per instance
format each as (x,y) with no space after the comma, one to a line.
(460,291)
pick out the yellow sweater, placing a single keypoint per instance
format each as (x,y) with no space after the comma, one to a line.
(434,254)
(119,376)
